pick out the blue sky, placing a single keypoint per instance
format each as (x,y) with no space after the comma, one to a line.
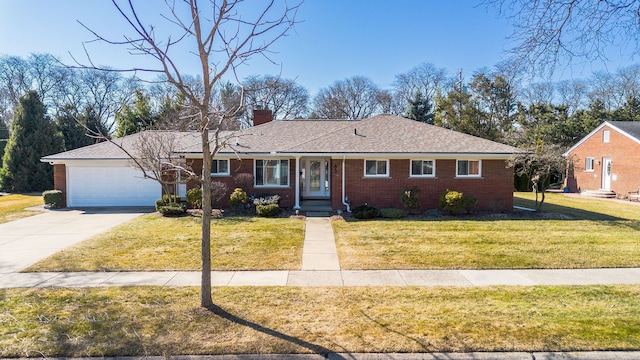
(336,39)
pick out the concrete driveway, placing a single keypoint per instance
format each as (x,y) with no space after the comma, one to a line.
(26,241)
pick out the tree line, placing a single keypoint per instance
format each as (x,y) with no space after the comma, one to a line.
(77,103)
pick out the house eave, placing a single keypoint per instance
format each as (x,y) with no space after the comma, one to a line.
(362,155)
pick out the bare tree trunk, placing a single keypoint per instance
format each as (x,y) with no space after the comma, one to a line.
(205,291)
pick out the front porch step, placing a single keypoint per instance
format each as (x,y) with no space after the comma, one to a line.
(315,205)
(600,194)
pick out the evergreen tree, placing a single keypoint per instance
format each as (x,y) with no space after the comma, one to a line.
(419,108)
(80,130)
(73,133)
(629,112)
(33,135)
(459,111)
(135,117)
(4,137)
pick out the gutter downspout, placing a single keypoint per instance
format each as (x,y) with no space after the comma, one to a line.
(297,192)
(344,198)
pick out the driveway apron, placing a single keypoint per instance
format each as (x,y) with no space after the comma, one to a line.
(26,241)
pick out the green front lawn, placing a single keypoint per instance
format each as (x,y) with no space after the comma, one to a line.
(143,321)
(600,234)
(152,242)
(12,207)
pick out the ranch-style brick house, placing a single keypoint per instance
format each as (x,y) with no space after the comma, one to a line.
(607,159)
(346,163)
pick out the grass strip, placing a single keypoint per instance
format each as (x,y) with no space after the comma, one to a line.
(12,207)
(155,243)
(166,321)
(600,234)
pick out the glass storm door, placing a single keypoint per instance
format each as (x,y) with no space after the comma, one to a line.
(315,178)
(606,173)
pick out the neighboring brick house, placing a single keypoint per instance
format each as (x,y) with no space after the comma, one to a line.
(608,158)
(339,161)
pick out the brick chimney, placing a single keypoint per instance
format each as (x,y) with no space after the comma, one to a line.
(261,115)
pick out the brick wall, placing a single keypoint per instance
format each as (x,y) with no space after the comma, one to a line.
(60,180)
(494,190)
(625,163)
(236,166)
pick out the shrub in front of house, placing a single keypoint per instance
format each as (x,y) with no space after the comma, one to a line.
(268,210)
(410,199)
(53,198)
(392,213)
(455,201)
(170,205)
(243,181)
(194,197)
(238,198)
(365,212)
(266,199)
(218,191)
(172,209)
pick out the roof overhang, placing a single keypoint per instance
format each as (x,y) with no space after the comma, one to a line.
(359,155)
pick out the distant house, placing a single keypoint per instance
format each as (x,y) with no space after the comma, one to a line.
(608,158)
(346,163)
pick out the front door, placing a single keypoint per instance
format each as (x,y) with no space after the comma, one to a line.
(606,173)
(316,179)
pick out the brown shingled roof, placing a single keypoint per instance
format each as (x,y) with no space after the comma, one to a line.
(382,134)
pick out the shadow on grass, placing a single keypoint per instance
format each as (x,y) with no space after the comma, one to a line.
(320,350)
(573,213)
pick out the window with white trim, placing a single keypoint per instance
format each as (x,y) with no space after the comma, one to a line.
(423,168)
(605,136)
(376,168)
(272,172)
(220,167)
(589,163)
(468,168)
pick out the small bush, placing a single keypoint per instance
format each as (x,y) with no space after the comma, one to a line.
(269,210)
(266,199)
(171,199)
(53,198)
(455,201)
(218,191)
(173,209)
(410,199)
(238,197)
(243,181)
(392,213)
(168,200)
(194,197)
(365,212)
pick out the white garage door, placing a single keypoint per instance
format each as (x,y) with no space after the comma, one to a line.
(110,186)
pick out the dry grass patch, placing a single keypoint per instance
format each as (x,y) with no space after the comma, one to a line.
(602,234)
(165,321)
(12,207)
(156,243)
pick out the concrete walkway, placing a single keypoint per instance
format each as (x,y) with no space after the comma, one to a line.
(319,250)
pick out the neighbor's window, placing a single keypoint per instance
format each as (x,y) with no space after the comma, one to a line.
(423,168)
(468,168)
(220,167)
(588,165)
(376,168)
(272,173)
(605,136)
